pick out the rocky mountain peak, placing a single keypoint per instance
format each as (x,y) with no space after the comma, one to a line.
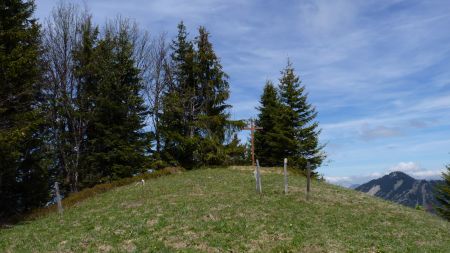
(403,189)
(400,175)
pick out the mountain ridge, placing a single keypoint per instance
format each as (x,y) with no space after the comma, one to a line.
(401,188)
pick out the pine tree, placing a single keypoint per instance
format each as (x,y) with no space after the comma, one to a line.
(23,174)
(300,126)
(270,140)
(443,195)
(116,141)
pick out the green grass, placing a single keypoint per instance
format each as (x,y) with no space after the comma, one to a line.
(215,210)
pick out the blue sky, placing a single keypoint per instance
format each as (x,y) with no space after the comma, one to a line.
(377,71)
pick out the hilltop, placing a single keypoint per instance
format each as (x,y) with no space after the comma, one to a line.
(212,210)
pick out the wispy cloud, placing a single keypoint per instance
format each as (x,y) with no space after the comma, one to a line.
(370,133)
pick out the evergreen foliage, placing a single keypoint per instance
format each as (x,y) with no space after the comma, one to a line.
(443,195)
(23,174)
(215,126)
(87,79)
(179,106)
(269,141)
(301,129)
(116,143)
(195,124)
(237,153)
(79,119)
(72,109)
(289,126)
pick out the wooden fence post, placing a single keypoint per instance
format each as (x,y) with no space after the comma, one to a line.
(308,179)
(258,178)
(58,199)
(285,177)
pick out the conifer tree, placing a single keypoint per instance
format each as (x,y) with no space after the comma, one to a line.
(87,80)
(270,140)
(23,174)
(179,105)
(443,195)
(213,122)
(289,126)
(116,141)
(300,128)
(196,126)
(236,152)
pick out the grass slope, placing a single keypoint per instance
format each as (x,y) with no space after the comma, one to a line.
(218,210)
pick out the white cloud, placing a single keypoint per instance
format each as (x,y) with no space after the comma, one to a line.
(347,181)
(338,180)
(376,175)
(427,174)
(407,167)
(416,171)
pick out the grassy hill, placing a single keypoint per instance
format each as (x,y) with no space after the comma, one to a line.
(214,210)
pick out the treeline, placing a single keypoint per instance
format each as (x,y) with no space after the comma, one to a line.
(82,104)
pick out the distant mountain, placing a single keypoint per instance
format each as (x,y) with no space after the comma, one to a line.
(353,186)
(403,189)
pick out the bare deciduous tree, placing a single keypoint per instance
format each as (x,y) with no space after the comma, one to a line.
(60,38)
(156,77)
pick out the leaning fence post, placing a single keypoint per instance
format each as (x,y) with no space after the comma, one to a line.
(258,178)
(308,179)
(58,199)
(285,177)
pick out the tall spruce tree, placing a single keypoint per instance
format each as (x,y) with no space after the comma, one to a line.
(443,195)
(300,126)
(270,140)
(23,174)
(213,120)
(116,141)
(196,126)
(180,105)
